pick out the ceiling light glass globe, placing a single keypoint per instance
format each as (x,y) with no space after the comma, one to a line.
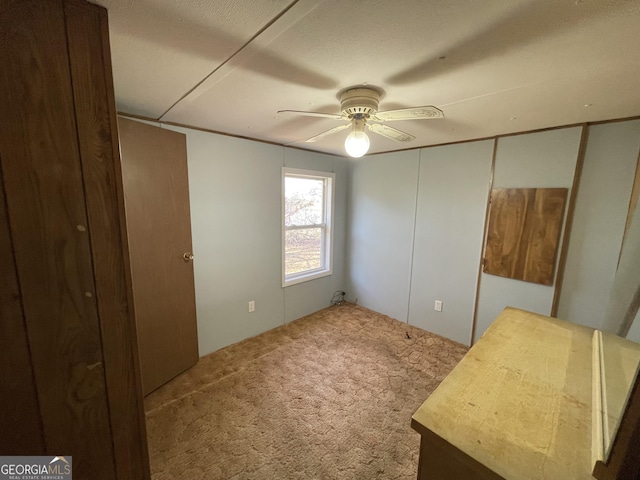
(357,144)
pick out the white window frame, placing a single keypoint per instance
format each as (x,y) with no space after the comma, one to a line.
(328,208)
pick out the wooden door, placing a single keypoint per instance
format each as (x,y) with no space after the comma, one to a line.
(156,191)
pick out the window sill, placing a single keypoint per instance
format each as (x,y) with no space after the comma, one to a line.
(305,277)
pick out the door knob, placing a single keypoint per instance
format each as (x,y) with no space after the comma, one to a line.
(187,256)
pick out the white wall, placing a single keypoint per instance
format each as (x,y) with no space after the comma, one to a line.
(382,202)
(452,198)
(599,221)
(626,284)
(235,193)
(634,332)
(408,229)
(408,248)
(304,298)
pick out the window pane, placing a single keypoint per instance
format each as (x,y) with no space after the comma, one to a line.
(303,250)
(303,201)
(307,211)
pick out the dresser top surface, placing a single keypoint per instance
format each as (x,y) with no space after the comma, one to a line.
(520,400)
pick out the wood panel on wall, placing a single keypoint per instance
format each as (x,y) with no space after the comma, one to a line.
(48,221)
(90,62)
(523,234)
(19,410)
(60,230)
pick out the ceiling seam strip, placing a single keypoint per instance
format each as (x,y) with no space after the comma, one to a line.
(272,30)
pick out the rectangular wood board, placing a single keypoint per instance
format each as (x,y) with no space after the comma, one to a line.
(524,233)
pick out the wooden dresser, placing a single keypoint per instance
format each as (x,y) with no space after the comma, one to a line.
(517,407)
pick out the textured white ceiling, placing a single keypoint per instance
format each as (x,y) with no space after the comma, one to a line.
(492,66)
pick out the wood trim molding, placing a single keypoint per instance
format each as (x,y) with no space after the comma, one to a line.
(217,132)
(568,224)
(487,211)
(633,204)
(476,139)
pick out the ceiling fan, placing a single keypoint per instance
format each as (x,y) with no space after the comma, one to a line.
(359,106)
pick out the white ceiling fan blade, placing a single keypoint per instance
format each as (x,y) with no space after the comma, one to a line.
(328,132)
(333,116)
(390,132)
(414,113)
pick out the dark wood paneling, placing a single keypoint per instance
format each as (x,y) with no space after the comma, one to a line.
(523,235)
(48,221)
(20,427)
(97,129)
(154,164)
(439,460)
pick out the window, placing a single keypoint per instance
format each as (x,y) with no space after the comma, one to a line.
(307,207)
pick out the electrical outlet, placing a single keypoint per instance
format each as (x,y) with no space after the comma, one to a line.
(438,306)
(252,306)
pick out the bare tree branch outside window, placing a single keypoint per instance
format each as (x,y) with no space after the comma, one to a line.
(303,207)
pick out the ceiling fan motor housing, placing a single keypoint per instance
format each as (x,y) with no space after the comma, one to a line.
(360,102)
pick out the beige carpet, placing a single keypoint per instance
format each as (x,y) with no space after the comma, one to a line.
(329,396)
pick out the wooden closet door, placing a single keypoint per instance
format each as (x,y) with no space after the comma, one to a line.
(156,191)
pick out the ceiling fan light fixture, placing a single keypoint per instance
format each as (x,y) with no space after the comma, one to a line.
(357,142)
(359,105)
